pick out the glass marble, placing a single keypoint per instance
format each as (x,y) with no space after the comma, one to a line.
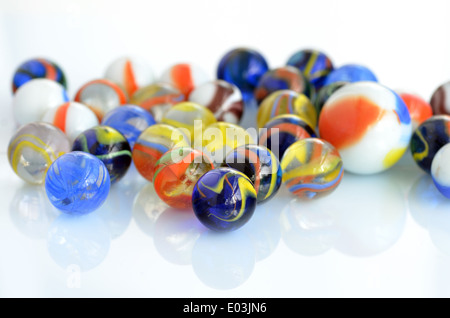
(101,95)
(157,98)
(77,183)
(191,117)
(242,67)
(282,131)
(428,138)
(223,99)
(312,168)
(440,170)
(314,64)
(176,174)
(324,93)
(38,68)
(35,97)
(369,124)
(152,143)
(220,138)
(283,78)
(350,73)
(185,77)
(224,199)
(130,72)
(440,99)
(286,102)
(129,120)
(33,148)
(72,118)
(108,145)
(419,109)
(260,165)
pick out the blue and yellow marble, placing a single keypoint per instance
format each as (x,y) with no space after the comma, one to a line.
(224,199)
(428,139)
(314,64)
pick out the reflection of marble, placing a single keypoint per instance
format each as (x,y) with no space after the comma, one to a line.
(31,211)
(176,232)
(248,118)
(263,229)
(369,213)
(405,171)
(423,197)
(147,207)
(80,241)
(363,217)
(439,226)
(307,228)
(117,209)
(431,210)
(223,260)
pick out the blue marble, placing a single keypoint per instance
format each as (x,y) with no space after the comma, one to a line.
(428,139)
(315,65)
(224,199)
(108,145)
(350,73)
(38,68)
(129,120)
(242,67)
(77,183)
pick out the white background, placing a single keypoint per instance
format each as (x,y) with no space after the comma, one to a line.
(386,235)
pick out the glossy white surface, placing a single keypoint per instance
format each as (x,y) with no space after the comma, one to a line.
(385,235)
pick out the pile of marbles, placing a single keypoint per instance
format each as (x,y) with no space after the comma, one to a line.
(183,132)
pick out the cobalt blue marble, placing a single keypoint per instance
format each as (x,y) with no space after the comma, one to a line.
(224,199)
(350,73)
(428,139)
(108,145)
(314,64)
(77,183)
(242,67)
(38,68)
(129,120)
(260,165)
